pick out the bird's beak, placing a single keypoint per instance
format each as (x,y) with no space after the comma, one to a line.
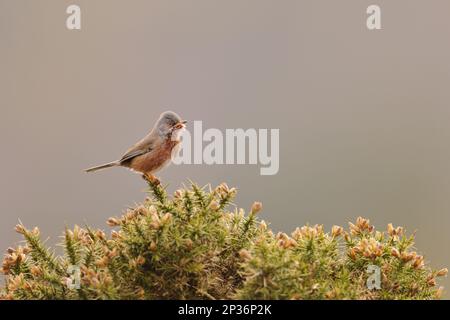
(179,125)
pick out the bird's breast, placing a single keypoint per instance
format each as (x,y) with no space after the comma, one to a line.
(156,159)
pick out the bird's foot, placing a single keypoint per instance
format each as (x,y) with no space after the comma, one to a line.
(151,179)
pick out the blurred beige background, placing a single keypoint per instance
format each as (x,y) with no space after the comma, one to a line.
(363,115)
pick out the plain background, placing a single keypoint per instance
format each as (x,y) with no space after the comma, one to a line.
(363,115)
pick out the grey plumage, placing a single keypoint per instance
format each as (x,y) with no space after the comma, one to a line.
(103,166)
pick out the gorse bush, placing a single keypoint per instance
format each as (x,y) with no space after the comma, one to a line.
(191,246)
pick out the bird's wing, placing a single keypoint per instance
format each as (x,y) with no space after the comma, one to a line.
(133,154)
(138,149)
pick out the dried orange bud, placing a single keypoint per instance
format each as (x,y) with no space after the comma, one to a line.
(297,234)
(153,246)
(36,231)
(113,222)
(130,215)
(390,229)
(140,260)
(352,253)
(418,262)
(35,271)
(406,257)
(153,213)
(214,205)
(443,272)
(222,188)
(354,230)
(115,235)
(256,207)
(291,243)
(282,236)
(347,237)
(178,193)
(100,234)
(281,243)
(166,218)
(336,231)
(395,253)
(363,224)
(20,229)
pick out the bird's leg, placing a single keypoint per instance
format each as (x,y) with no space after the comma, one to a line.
(151,179)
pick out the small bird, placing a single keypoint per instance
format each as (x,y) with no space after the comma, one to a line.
(154,151)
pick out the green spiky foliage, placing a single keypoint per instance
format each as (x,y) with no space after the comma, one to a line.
(193,246)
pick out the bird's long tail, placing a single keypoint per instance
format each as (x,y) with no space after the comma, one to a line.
(103,166)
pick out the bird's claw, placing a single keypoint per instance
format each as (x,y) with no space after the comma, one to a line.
(151,179)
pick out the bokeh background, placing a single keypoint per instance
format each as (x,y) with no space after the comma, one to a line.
(363,115)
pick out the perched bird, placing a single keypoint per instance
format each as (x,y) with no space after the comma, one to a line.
(154,151)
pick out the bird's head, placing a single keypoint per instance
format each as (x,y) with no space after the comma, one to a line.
(170,125)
